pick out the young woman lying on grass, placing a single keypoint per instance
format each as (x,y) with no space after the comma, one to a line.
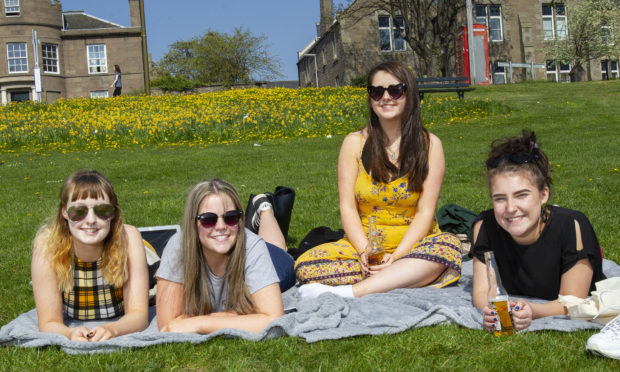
(391,170)
(88,265)
(541,250)
(219,274)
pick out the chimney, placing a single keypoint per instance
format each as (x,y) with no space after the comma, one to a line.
(134,13)
(327,16)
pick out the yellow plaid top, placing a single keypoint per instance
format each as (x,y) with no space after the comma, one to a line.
(91,298)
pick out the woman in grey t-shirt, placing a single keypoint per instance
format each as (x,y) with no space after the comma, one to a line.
(217,274)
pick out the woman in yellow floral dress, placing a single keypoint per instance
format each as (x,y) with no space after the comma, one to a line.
(393,170)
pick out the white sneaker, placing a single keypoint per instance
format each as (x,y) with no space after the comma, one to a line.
(607,342)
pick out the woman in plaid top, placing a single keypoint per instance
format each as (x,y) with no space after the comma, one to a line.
(88,265)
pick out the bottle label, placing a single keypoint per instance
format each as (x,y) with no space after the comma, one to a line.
(502,309)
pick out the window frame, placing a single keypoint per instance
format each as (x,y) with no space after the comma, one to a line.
(13,9)
(486,19)
(15,59)
(99,94)
(92,67)
(393,32)
(608,65)
(607,35)
(557,21)
(560,71)
(335,45)
(47,58)
(498,71)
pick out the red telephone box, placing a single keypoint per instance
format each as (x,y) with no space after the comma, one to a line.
(481,45)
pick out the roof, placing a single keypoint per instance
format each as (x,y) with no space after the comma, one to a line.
(283,84)
(78,20)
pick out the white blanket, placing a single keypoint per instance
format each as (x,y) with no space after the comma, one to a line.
(326,317)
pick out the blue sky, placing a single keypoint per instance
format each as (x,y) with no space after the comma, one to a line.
(289,25)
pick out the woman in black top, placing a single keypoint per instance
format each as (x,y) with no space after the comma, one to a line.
(541,251)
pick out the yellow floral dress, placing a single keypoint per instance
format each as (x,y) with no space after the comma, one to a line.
(394,207)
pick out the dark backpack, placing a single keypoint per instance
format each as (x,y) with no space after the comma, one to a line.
(316,236)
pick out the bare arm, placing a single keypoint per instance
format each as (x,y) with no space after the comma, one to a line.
(135,292)
(481,282)
(47,295)
(115,80)
(425,210)
(169,301)
(347,176)
(267,303)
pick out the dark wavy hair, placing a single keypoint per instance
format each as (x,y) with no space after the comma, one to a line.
(414,142)
(521,153)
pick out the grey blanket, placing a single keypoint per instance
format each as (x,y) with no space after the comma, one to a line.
(323,318)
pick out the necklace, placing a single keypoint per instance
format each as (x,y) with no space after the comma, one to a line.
(393,153)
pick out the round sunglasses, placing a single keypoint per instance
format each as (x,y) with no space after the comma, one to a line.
(395,91)
(208,220)
(77,213)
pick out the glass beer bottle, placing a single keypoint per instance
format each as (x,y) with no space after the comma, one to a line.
(498,298)
(375,244)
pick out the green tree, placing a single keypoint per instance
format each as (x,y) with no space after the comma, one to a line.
(593,33)
(219,58)
(430,27)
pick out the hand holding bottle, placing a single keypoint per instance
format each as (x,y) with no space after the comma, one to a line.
(499,303)
(521,314)
(386,261)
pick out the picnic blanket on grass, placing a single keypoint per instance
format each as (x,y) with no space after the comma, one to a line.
(327,317)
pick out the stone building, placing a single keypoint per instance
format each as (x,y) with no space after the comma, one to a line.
(344,50)
(75,52)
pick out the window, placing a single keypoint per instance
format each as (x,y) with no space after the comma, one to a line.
(335,43)
(11,8)
(19,96)
(558,71)
(499,74)
(554,21)
(99,94)
(491,16)
(609,69)
(607,36)
(390,33)
(96,59)
(50,57)
(17,57)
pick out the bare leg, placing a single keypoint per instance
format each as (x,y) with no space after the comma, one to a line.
(404,273)
(269,229)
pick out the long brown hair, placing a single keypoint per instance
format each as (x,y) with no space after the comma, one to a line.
(57,240)
(196,282)
(414,142)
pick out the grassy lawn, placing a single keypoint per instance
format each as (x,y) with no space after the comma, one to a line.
(577,124)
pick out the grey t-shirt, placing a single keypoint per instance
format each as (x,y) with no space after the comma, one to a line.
(259,270)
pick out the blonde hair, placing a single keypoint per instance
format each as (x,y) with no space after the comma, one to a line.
(196,283)
(56,239)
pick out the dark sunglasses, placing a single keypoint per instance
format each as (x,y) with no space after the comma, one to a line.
(79,212)
(515,158)
(231,218)
(395,91)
